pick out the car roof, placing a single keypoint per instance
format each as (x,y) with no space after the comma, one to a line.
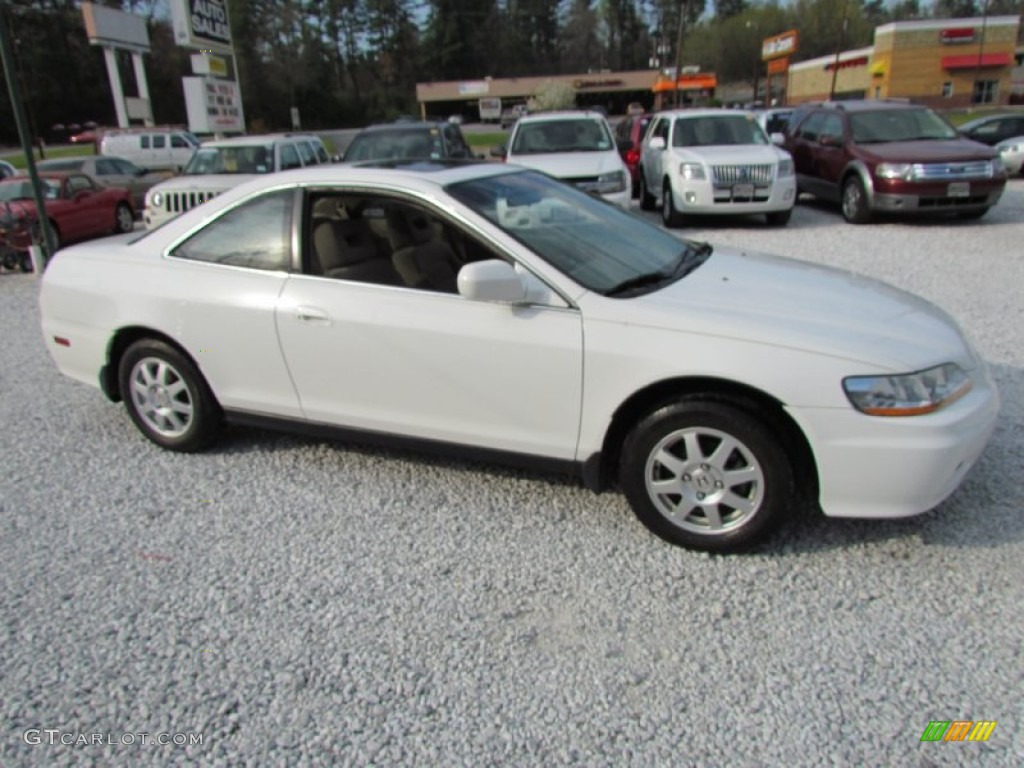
(400,125)
(707,112)
(562,115)
(260,140)
(868,105)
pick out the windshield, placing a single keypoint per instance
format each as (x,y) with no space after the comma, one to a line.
(597,244)
(584,134)
(715,131)
(899,125)
(397,144)
(257,158)
(22,190)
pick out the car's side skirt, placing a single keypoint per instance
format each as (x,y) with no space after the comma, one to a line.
(584,471)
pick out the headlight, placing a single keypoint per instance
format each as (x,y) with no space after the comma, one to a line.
(910,394)
(692,171)
(785,167)
(156,199)
(998,166)
(894,171)
(611,182)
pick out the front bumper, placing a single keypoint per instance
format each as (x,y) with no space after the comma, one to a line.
(704,197)
(937,197)
(870,466)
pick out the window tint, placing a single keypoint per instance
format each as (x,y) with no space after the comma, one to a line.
(832,125)
(78,184)
(145,142)
(105,167)
(256,234)
(178,142)
(159,142)
(810,129)
(306,153)
(289,157)
(321,153)
(123,166)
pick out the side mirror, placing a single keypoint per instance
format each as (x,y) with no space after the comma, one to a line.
(778,139)
(491,280)
(828,140)
(656,143)
(499,151)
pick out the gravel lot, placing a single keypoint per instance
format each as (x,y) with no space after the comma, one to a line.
(302,602)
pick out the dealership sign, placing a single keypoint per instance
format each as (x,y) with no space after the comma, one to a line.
(201,24)
(213,106)
(779,45)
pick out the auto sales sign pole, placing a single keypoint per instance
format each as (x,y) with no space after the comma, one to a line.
(18,106)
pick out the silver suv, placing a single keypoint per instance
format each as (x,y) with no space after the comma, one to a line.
(220,165)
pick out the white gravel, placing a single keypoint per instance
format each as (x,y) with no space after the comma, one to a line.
(301,602)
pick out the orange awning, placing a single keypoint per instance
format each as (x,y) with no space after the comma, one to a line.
(698,82)
(970,61)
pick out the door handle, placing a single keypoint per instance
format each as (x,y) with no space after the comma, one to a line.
(312,315)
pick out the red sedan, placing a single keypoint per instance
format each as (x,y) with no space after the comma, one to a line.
(78,208)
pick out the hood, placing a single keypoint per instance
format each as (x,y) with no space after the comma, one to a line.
(951,150)
(742,154)
(212,181)
(572,165)
(787,303)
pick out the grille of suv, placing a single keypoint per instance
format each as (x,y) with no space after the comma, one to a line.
(740,174)
(179,202)
(945,171)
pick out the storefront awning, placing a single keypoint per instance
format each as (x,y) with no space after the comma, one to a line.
(698,82)
(971,61)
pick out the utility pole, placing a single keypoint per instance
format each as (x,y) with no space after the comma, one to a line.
(683,8)
(18,107)
(839,47)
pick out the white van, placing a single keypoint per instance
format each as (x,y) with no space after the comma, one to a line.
(154,148)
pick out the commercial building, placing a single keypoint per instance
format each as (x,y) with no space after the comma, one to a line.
(944,63)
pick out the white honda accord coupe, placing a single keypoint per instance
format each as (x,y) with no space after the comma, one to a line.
(496,311)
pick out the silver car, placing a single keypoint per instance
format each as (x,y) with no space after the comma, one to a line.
(110,172)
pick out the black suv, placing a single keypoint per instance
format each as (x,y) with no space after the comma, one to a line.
(994,128)
(408,140)
(883,156)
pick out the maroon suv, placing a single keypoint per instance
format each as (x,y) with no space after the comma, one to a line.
(894,157)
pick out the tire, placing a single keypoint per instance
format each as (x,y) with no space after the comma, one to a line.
(670,217)
(854,201)
(972,215)
(167,398)
(124,219)
(11,259)
(647,200)
(778,218)
(727,499)
(26,263)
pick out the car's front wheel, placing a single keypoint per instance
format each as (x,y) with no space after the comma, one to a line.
(124,219)
(705,474)
(647,200)
(855,201)
(167,397)
(670,216)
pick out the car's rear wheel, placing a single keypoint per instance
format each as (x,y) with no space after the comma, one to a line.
(855,201)
(779,218)
(705,474)
(669,215)
(167,397)
(647,200)
(124,219)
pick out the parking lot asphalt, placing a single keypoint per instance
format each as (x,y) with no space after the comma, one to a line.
(293,601)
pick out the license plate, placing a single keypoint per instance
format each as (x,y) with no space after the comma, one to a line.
(745,190)
(960,189)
